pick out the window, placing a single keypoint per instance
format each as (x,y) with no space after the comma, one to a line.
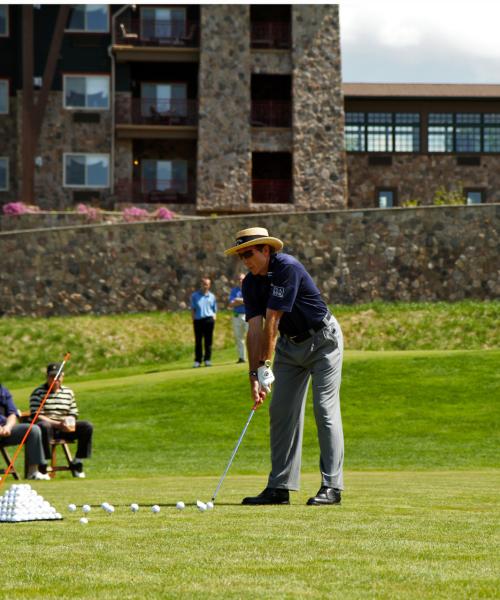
(163,98)
(4,97)
(4,174)
(86,170)
(4,21)
(164,175)
(474,196)
(386,198)
(382,132)
(163,23)
(464,132)
(87,91)
(90,18)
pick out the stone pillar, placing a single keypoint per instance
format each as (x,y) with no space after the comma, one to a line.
(319,167)
(224,139)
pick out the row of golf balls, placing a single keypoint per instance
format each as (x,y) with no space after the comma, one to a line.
(109,508)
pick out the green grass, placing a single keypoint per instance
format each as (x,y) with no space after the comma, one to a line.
(133,341)
(419,517)
(396,535)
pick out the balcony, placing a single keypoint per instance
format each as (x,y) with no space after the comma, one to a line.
(271,113)
(146,32)
(272,191)
(151,111)
(270,35)
(157,191)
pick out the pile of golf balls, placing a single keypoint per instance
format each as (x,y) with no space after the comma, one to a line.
(21,503)
(109,508)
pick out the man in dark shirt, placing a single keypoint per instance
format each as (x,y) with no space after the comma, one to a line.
(288,318)
(12,432)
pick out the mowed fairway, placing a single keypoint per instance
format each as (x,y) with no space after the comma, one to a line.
(419,517)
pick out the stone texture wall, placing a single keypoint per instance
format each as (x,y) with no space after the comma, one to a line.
(418,177)
(224,143)
(61,134)
(429,253)
(9,149)
(318,121)
(276,62)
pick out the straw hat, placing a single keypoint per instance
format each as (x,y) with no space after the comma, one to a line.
(252,237)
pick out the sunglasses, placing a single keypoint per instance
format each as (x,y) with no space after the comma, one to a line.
(246,254)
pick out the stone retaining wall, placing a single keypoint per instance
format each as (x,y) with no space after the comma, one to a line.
(428,253)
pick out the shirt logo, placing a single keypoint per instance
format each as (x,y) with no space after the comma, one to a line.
(278,292)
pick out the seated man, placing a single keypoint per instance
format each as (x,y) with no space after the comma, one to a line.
(12,432)
(58,418)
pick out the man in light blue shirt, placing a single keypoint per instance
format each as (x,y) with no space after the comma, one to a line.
(240,326)
(204,312)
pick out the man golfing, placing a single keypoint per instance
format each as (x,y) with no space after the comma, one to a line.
(288,318)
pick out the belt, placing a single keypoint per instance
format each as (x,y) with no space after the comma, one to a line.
(305,335)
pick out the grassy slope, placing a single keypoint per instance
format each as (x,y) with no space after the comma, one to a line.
(104,343)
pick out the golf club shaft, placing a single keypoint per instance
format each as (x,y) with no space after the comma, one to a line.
(252,412)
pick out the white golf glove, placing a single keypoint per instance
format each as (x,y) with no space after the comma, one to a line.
(265,376)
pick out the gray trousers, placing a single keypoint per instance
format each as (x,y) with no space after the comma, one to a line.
(319,357)
(33,444)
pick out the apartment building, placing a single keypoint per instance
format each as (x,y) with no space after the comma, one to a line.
(413,142)
(212,108)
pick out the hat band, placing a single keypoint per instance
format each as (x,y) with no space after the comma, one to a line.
(248,238)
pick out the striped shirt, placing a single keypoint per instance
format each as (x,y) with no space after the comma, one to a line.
(59,404)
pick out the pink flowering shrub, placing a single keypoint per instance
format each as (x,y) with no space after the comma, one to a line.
(163,214)
(19,208)
(133,213)
(92,213)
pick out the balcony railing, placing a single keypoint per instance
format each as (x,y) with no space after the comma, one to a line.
(158,191)
(271,113)
(151,111)
(272,191)
(271,34)
(157,32)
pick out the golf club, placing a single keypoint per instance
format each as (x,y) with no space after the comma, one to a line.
(252,412)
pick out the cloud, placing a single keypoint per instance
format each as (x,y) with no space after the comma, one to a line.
(428,41)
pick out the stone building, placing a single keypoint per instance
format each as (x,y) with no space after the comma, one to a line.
(211,108)
(409,143)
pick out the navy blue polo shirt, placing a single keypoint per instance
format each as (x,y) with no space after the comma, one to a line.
(287,287)
(7,406)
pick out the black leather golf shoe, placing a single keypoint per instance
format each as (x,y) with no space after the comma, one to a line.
(326,495)
(269,496)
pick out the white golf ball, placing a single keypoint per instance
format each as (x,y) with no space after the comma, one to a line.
(155,508)
(134,507)
(201,506)
(72,507)
(84,520)
(86,508)
(210,505)
(180,506)
(104,505)
(110,509)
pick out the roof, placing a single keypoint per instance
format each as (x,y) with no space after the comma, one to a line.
(422,90)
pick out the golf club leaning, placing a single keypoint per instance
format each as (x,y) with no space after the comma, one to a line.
(252,412)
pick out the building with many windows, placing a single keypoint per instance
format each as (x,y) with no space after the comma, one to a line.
(418,142)
(213,108)
(227,109)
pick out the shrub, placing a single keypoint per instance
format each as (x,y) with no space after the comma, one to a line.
(443,196)
(92,213)
(19,208)
(133,213)
(163,214)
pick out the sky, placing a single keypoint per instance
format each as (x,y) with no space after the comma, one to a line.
(420,42)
